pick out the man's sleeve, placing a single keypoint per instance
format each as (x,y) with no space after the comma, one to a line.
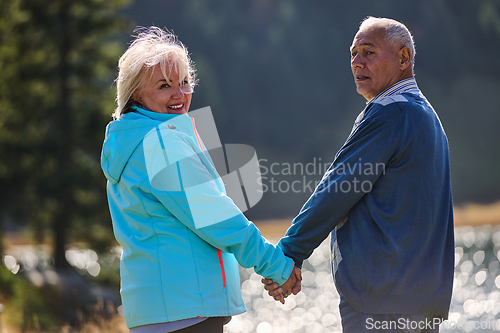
(354,171)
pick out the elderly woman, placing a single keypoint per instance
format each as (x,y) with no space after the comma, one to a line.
(178,271)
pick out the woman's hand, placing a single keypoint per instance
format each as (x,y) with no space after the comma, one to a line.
(291,286)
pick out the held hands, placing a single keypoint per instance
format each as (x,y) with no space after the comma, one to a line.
(291,286)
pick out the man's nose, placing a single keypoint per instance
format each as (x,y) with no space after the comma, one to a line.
(356,62)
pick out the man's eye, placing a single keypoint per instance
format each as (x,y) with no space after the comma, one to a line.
(353,54)
(370,52)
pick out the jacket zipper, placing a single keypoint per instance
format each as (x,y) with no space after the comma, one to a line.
(219,252)
(197,137)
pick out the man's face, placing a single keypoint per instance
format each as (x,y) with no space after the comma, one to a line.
(375,64)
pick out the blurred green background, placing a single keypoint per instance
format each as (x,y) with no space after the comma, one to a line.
(275,73)
(277,77)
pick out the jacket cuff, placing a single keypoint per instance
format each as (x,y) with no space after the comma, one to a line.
(287,271)
(298,263)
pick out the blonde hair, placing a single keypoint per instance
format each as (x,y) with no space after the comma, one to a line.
(150,47)
(395,33)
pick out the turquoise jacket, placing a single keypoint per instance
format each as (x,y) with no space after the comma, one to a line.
(182,237)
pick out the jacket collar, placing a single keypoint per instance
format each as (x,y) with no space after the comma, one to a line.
(407,85)
(154,115)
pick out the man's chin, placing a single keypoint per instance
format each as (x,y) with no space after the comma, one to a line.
(364,92)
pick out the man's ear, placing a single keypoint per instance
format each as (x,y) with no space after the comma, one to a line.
(405,58)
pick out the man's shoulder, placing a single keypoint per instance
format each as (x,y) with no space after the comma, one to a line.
(400,100)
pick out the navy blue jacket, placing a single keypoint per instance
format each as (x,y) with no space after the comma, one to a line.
(387,202)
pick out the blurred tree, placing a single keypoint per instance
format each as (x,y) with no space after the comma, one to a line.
(57,59)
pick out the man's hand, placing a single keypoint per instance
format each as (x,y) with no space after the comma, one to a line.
(291,286)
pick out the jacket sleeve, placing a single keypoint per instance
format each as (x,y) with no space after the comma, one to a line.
(182,180)
(353,173)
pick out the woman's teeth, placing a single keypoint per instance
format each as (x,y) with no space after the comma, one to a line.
(175,107)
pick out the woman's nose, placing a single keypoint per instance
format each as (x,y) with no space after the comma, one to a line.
(178,93)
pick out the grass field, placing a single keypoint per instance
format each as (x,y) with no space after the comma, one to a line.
(465,215)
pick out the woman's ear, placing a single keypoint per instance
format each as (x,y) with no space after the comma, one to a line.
(405,58)
(136,96)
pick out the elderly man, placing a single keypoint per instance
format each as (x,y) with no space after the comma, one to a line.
(386,199)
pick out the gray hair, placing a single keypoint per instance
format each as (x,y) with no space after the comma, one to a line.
(151,46)
(396,33)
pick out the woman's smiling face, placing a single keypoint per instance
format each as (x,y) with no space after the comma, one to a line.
(170,94)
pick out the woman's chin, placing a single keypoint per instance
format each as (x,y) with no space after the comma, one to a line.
(177,111)
(173,111)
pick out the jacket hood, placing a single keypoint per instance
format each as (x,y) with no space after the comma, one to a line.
(122,138)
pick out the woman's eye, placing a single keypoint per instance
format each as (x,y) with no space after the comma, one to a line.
(185,82)
(165,85)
